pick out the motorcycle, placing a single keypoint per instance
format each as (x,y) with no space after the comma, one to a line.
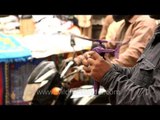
(47,86)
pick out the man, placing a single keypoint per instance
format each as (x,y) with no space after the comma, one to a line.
(133,32)
(138,85)
(85,24)
(107,21)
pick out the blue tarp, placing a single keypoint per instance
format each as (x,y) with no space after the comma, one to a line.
(11,50)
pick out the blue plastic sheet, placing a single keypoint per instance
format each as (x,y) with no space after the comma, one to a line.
(11,50)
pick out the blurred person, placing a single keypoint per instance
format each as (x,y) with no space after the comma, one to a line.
(107,21)
(85,25)
(132,33)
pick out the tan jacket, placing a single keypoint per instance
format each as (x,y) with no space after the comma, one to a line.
(138,34)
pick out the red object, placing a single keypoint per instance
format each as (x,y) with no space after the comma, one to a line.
(1,86)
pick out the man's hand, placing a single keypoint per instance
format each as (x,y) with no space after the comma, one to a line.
(78,59)
(94,65)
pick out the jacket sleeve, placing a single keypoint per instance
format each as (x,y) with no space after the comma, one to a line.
(142,33)
(124,70)
(128,93)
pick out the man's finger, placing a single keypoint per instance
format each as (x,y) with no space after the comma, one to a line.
(87,74)
(90,61)
(88,54)
(85,62)
(86,69)
(95,55)
(92,54)
(79,59)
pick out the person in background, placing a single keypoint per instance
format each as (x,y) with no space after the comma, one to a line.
(85,25)
(131,33)
(138,85)
(107,21)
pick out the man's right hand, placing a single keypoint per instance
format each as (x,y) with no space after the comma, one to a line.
(94,64)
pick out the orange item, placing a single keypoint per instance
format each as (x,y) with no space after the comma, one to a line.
(56,91)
